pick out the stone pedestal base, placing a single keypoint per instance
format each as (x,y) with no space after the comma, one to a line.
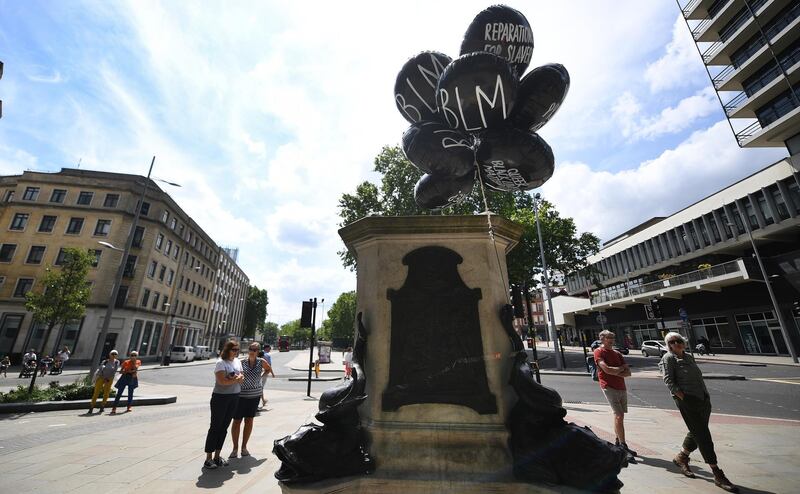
(380,484)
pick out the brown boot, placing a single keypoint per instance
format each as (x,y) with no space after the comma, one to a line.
(682,460)
(722,481)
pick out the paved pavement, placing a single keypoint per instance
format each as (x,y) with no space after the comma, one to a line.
(159,449)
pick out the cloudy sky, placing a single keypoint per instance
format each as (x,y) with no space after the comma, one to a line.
(266,112)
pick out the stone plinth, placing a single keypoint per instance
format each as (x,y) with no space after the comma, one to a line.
(435,440)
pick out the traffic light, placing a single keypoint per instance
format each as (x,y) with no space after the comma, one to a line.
(516,301)
(656,309)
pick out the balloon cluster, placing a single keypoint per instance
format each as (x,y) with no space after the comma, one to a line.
(479,110)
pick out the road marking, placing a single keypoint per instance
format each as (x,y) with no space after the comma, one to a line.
(782,380)
(56,425)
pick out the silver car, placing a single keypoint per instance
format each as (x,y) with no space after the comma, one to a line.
(653,348)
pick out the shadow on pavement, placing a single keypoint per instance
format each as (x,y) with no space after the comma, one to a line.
(702,473)
(213,479)
(246,464)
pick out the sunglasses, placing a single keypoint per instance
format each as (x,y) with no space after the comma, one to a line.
(676,342)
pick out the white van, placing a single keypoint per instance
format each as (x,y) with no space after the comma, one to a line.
(182,354)
(202,352)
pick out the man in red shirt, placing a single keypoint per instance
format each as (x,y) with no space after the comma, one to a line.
(611,372)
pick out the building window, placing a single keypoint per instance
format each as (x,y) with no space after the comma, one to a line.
(111,200)
(145,209)
(173,224)
(165,303)
(35,255)
(7,252)
(9,196)
(75,226)
(151,270)
(159,241)
(122,297)
(31,194)
(161,273)
(168,248)
(103,228)
(19,221)
(137,331)
(156,297)
(130,266)
(181,229)
(24,285)
(85,198)
(95,253)
(164,216)
(183,306)
(61,257)
(145,297)
(175,253)
(47,224)
(138,237)
(171,277)
(58,195)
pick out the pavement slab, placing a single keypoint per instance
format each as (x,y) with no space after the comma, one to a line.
(159,450)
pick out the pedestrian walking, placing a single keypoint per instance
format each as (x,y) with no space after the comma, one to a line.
(611,373)
(103,377)
(268,358)
(253,367)
(348,363)
(129,379)
(685,381)
(227,385)
(4,365)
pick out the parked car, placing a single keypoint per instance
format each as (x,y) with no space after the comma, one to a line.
(202,352)
(182,354)
(653,348)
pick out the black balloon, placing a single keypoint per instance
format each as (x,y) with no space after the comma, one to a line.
(503,31)
(415,87)
(541,93)
(438,191)
(476,92)
(436,148)
(511,160)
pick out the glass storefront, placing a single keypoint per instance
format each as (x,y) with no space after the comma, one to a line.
(9,329)
(761,333)
(716,329)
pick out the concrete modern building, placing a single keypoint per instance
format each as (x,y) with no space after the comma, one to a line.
(698,264)
(751,49)
(169,274)
(228,299)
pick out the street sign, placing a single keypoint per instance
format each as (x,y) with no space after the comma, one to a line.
(601,319)
(648,309)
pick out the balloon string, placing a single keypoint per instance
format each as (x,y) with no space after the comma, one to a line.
(491,235)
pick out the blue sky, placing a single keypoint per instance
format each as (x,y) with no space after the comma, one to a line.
(266,112)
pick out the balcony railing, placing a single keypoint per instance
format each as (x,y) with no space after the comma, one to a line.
(660,285)
(748,132)
(690,7)
(735,103)
(712,51)
(720,79)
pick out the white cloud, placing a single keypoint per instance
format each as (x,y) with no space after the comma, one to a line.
(680,66)
(627,111)
(609,203)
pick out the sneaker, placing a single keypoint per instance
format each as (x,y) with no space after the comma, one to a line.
(101,410)
(245,452)
(722,481)
(234,454)
(682,461)
(221,462)
(209,464)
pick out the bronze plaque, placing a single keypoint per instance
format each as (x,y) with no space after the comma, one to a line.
(436,353)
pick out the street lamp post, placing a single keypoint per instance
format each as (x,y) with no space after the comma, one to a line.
(546,288)
(101,342)
(776,308)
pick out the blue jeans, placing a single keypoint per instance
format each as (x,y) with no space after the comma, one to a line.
(124,382)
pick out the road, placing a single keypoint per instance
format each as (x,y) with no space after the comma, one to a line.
(767,392)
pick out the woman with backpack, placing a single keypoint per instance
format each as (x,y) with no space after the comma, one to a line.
(103,378)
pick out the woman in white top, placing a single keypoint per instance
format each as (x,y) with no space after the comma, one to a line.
(227,385)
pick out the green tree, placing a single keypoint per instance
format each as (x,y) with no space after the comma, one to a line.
(293,330)
(341,317)
(255,313)
(63,295)
(565,249)
(269,332)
